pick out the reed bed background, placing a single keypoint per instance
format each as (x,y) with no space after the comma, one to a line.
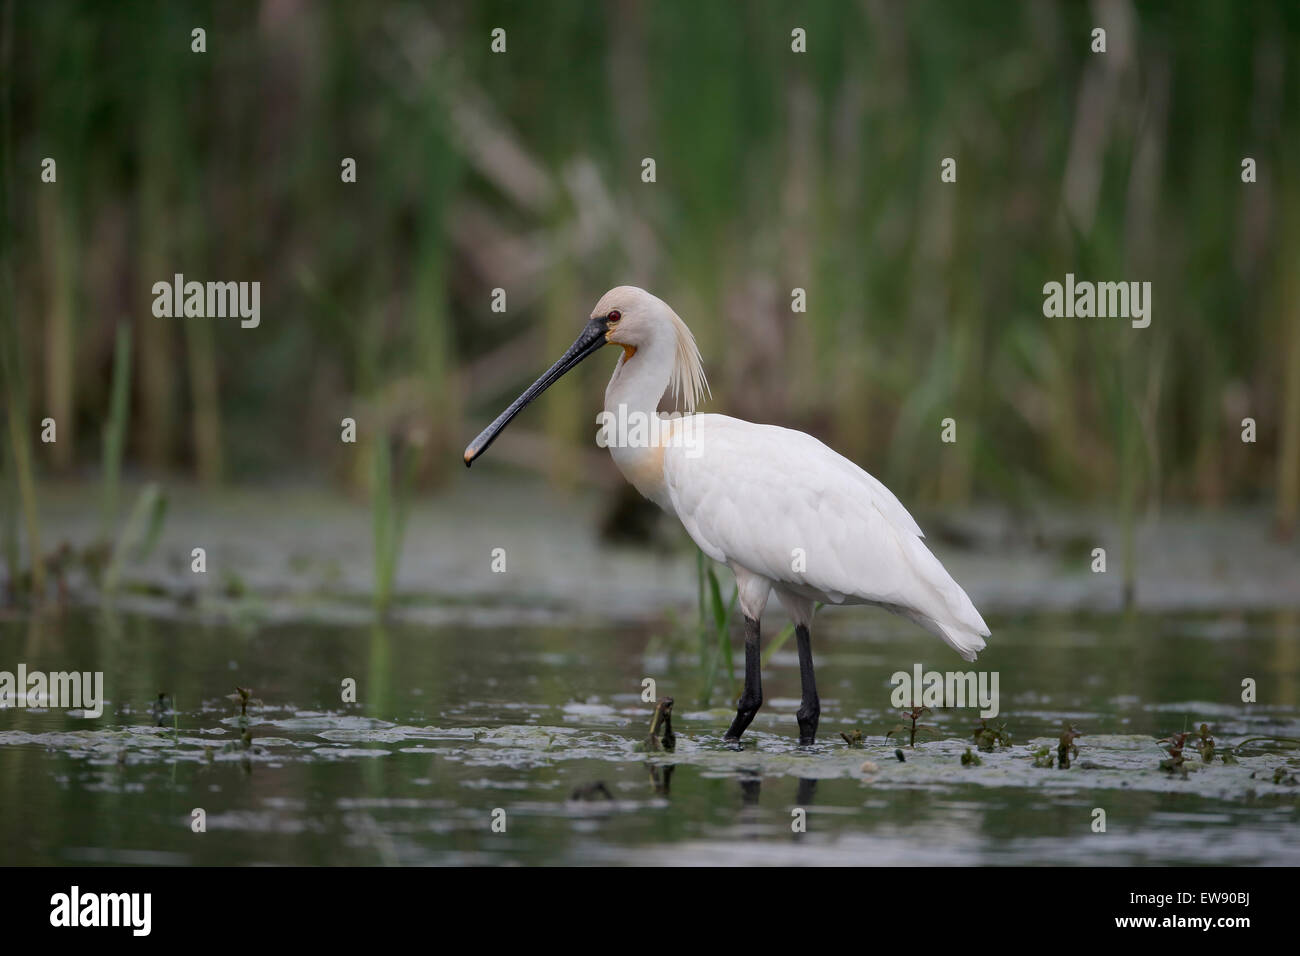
(775,170)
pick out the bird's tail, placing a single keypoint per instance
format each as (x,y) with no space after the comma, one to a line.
(946,611)
(966,642)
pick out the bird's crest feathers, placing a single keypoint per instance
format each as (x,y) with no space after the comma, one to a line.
(689,385)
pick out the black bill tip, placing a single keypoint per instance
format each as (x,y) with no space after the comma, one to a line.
(591,339)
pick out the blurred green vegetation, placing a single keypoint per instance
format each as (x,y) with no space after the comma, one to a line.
(775,170)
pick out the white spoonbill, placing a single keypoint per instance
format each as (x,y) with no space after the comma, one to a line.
(784,512)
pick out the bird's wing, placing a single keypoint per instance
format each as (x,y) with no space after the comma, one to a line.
(783,505)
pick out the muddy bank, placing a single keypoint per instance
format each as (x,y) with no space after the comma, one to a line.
(298,550)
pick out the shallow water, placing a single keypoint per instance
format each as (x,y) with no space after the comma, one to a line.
(453,724)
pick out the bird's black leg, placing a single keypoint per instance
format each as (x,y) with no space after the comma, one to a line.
(810,707)
(752,697)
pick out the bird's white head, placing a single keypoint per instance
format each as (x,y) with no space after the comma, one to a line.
(637,320)
(657,348)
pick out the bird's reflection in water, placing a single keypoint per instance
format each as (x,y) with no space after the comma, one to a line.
(749,819)
(751,789)
(803,799)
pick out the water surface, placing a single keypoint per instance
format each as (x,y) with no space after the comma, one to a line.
(454,724)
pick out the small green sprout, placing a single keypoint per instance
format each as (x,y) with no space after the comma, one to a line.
(970,759)
(914,728)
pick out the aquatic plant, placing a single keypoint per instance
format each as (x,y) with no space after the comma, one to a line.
(986,737)
(1284,775)
(1288,743)
(854,739)
(782,636)
(715,636)
(662,716)
(1208,749)
(243,696)
(139,535)
(1205,743)
(1175,762)
(390,498)
(970,759)
(160,708)
(1067,747)
(912,727)
(107,557)
(778,642)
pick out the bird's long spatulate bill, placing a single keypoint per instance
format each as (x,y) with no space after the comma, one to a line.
(591,339)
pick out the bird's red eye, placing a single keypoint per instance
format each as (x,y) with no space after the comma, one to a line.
(614,316)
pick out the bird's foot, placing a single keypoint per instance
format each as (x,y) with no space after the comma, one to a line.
(746,708)
(732,736)
(808,720)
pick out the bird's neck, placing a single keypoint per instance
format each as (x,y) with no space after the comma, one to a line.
(640,379)
(635,433)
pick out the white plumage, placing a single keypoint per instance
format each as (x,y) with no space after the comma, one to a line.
(787,514)
(770,499)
